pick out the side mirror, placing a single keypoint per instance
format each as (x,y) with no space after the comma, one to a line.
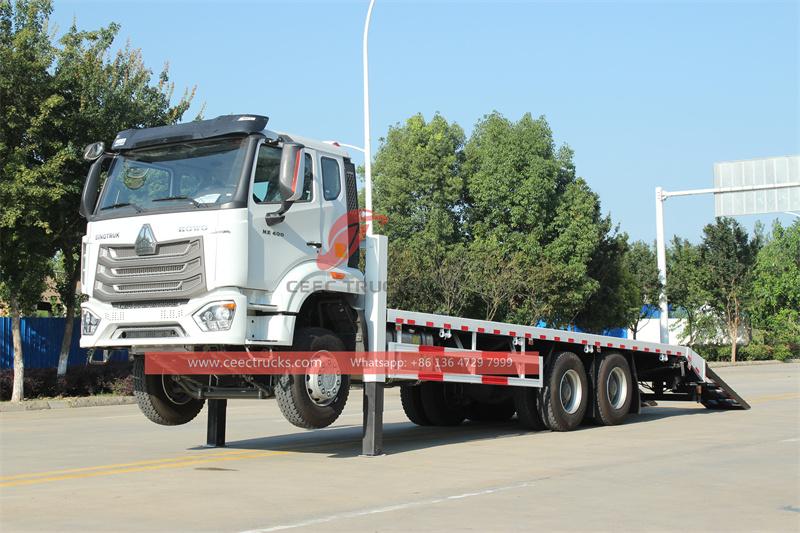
(292,171)
(290,179)
(92,185)
(93,151)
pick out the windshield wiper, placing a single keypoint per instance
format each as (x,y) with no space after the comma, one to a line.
(195,202)
(122,204)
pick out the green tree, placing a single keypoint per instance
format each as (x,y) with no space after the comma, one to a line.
(775,304)
(496,276)
(686,288)
(29,164)
(640,264)
(618,299)
(728,255)
(417,180)
(524,193)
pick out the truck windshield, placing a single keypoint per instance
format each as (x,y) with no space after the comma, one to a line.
(198,174)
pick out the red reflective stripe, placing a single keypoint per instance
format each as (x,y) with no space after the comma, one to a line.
(528,335)
(429,324)
(494,380)
(296,170)
(622,346)
(398,320)
(431,377)
(646,349)
(610,344)
(512,333)
(431,348)
(597,343)
(570,340)
(635,347)
(658,350)
(556,338)
(411,322)
(497,332)
(447,326)
(481,330)
(543,337)
(465,328)
(584,342)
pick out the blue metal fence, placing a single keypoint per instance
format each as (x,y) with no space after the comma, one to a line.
(41,343)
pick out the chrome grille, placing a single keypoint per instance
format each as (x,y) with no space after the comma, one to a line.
(149,332)
(176,270)
(149,304)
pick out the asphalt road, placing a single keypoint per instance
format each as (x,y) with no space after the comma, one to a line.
(674,467)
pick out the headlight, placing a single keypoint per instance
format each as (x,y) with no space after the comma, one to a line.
(217,316)
(89,322)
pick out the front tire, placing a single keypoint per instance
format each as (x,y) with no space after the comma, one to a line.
(565,395)
(161,399)
(313,402)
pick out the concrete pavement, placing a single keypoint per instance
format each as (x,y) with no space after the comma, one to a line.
(676,466)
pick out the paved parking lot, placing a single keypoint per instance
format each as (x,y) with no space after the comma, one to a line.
(676,466)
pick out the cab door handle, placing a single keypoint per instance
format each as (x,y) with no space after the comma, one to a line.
(316,245)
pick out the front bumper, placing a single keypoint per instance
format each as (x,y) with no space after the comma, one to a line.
(163,326)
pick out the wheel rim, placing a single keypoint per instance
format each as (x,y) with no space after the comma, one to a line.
(617,387)
(173,391)
(323,389)
(570,391)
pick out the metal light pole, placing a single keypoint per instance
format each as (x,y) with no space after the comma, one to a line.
(367,142)
(661,257)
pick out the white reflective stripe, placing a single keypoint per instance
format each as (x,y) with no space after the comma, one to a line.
(462,378)
(396,317)
(524,382)
(403,376)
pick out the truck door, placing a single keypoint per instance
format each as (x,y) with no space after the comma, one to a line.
(274,250)
(334,211)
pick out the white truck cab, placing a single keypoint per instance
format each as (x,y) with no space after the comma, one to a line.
(194,241)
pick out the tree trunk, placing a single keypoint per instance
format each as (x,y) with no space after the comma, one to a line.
(66,341)
(733,332)
(19,365)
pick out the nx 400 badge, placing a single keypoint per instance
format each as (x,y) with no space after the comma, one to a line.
(146,241)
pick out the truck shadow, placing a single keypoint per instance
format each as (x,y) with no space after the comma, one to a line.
(401,437)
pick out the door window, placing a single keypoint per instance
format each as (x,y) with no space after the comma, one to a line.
(331,178)
(265,183)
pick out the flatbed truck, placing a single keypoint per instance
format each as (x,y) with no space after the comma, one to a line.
(222,235)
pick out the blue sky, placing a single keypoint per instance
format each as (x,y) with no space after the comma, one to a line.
(646,93)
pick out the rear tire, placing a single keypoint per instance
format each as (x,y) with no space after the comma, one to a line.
(565,395)
(411,398)
(614,390)
(491,412)
(161,399)
(294,394)
(526,401)
(437,405)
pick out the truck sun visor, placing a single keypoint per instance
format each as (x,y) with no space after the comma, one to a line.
(189,131)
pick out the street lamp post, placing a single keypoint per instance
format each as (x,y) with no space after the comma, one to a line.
(367,142)
(661,247)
